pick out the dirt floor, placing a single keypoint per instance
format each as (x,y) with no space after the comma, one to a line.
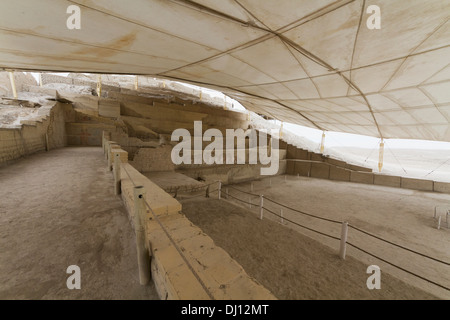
(59,209)
(303,265)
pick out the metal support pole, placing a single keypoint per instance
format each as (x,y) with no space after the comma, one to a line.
(117,182)
(380,156)
(344,232)
(261,207)
(40,80)
(99,85)
(13,84)
(142,254)
(220,189)
(322,143)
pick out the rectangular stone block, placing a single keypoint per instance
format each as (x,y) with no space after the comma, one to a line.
(417,184)
(301,154)
(388,181)
(109,108)
(290,167)
(315,156)
(320,170)
(358,168)
(443,187)
(361,177)
(123,155)
(337,163)
(291,151)
(302,168)
(339,174)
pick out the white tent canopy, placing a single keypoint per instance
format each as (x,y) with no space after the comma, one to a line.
(313,63)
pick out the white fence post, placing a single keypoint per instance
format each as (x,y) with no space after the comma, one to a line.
(344,232)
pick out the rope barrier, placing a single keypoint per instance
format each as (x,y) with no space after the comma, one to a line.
(241,200)
(249,193)
(318,232)
(397,245)
(398,267)
(351,244)
(297,224)
(307,214)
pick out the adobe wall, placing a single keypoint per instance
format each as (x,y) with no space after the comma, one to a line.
(31,136)
(173,279)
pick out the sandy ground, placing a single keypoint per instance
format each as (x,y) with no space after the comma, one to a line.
(59,209)
(289,264)
(402,216)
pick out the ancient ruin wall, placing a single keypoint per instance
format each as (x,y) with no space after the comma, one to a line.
(31,136)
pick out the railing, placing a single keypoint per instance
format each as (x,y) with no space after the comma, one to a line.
(343,238)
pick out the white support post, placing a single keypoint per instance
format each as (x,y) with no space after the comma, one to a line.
(322,143)
(220,189)
(439,223)
(40,79)
(117,182)
(343,246)
(381,156)
(13,84)
(142,255)
(136,83)
(99,85)
(261,207)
